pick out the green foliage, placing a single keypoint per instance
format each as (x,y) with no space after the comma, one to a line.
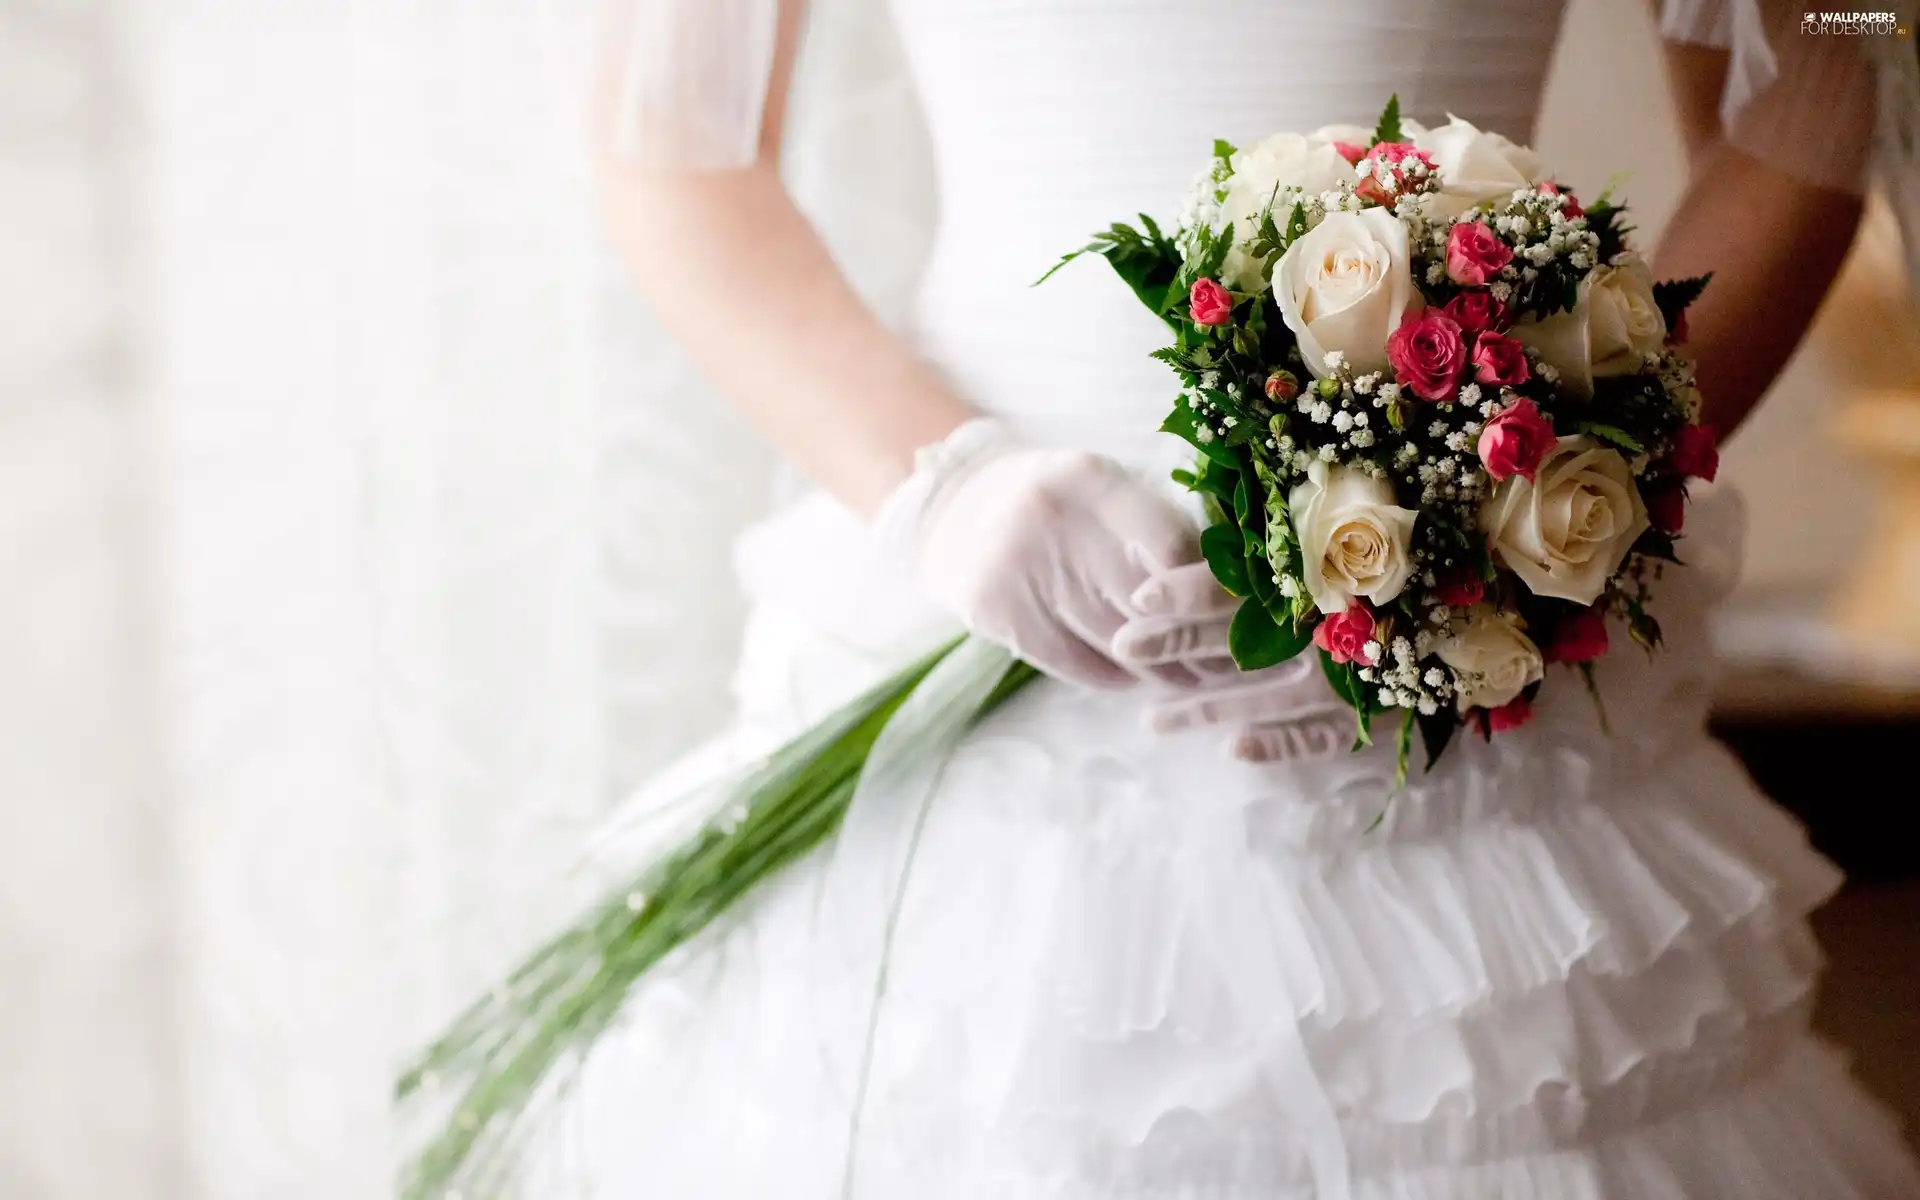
(507,1047)
(1388,129)
(1674,295)
(1435,732)
(1185,424)
(1147,261)
(1257,641)
(1612,434)
(1226,553)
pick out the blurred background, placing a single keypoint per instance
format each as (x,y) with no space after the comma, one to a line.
(348,571)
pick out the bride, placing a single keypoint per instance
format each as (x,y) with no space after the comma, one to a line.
(1159,939)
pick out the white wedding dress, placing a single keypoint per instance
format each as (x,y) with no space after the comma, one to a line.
(1567,965)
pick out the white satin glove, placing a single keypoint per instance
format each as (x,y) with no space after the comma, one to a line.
(1039,550)
(1279,714)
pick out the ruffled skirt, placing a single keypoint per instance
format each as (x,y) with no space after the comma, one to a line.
(1570,964)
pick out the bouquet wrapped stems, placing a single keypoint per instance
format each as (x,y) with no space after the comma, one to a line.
(506,1049)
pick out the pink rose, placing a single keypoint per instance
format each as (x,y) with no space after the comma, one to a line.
(1667,508)
(1515,440)
(1579,638)
(1429,356)
(1462,593)
(1348,636)
(1571,207)
(1350,151)
(1500,359)
(1475,254)
(1396,155)
(1476,312)
(1211,303)
(1696,452)
(1511,715)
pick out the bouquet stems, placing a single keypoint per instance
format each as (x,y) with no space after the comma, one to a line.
(499,1055)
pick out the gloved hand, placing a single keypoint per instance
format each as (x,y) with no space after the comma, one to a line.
(1039,550)
(1279,714)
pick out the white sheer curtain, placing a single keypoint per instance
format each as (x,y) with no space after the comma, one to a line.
(360,549)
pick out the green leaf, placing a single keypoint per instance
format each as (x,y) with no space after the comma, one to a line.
(1226,554)
(1296,222)
(1185,424)
(1674,295)
(1436,731)
(1256,641)
(1388,129)
(1655,544)
(1346,684)
(1613,434)
(1403,748)
(1148,262)
(1223,148)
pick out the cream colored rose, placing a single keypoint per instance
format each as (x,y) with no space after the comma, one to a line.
(1492,660)
(1610,330)
(1475,166)
(1354,540)
(1345,285)
(1566,532)
(1263,175)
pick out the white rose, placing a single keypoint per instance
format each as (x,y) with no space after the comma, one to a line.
(1475,166)
(1354,541)
(1610,330)
(1345,285)
(1492,661)
(1566,533)
(1262,176)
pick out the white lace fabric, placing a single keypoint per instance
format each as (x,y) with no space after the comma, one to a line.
(1569,964)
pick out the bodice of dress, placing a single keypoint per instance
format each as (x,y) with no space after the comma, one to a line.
(1050,119)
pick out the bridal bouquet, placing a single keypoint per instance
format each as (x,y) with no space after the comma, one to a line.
(1443,429)
(1442,434)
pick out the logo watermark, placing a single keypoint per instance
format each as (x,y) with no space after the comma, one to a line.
(1853,24)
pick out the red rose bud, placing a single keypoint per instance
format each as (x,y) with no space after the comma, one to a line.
(1696,452)
(1476,312)
(1475,254)
(1572,207)
(1348,636)
(1677,332)
(1515,440)
(1282,386)
(1501,360)
(1511,715)
(1211,303)
(1462,593)
(1579,638)
(1667,509)
(1428,354)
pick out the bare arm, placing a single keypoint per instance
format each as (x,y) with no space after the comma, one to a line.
(1773,242)
(742,280)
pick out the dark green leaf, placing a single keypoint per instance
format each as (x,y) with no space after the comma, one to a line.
(1388,129)
(1226,554)
(1436,731)
(1613,434)
(1183,423)
(1257,641)
(1674,295)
